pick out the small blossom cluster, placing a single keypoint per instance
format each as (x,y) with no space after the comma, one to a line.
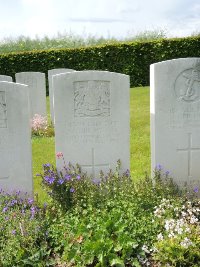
(66,178)
(18,214)
(13,201)
(176,227)
(186,242)
(161,209)
(39,123)
(186,216)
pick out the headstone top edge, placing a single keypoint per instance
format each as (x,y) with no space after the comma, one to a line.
(85,73)
(55,69)
(13,83)
(30,72)
(175,60)
(4,75)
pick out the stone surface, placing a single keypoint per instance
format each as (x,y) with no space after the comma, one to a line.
(5,78)
(15,138)
(37,91)
(92,120)
(51,91)
(175,118)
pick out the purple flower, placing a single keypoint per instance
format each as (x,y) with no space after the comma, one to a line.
(18,192)
(67,177)
(159,167)
(196,189)
(5,209)
(60,181)
(33,211)
(49,179)
(30,201)
(47,165)
(127,173)
(96,181)
(72,190)
(13,232)
(13,202)
(78,177)
(167,173)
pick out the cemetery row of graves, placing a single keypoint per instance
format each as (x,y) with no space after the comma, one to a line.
(90,111)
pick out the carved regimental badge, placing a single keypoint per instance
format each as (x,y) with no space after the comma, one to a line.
(3,115)
(187,84)
(92,99)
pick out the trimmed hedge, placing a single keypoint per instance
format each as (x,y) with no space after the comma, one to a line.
(132,59)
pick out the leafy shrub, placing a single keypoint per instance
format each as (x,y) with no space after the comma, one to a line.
(108,221)
(132,58)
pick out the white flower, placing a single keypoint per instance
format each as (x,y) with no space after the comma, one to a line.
(193,219)
(186,242)
(145,249)
(160,237)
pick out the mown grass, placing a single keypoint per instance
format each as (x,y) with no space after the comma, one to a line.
(44,148)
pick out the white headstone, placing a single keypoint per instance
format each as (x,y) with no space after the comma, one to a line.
(5,78)
(92,120)
(15,138)
(175,118)
(51,91)
(37,91)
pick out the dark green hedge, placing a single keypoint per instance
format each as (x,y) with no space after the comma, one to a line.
(133,59)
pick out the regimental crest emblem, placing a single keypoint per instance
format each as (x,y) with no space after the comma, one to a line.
(92,99)
(187,84)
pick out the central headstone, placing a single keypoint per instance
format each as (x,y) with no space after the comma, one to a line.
(15,138)
(92,120)
(175,118)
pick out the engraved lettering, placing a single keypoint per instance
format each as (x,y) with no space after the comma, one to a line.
(98,132)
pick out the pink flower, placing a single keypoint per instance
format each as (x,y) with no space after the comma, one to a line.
(39,123)
(59,155)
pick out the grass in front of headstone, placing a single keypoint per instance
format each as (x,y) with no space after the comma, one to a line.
(139,132)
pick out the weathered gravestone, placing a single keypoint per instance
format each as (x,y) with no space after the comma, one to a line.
(92,119)
(37,91)
(175,118)
(5,78)
(51,90)
(15,138)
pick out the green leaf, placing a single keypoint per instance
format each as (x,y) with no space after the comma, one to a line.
(117,262)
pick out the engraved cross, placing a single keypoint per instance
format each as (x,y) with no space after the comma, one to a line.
(189,150)
(93,166)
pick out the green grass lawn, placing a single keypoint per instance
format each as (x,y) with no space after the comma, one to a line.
(44,148)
